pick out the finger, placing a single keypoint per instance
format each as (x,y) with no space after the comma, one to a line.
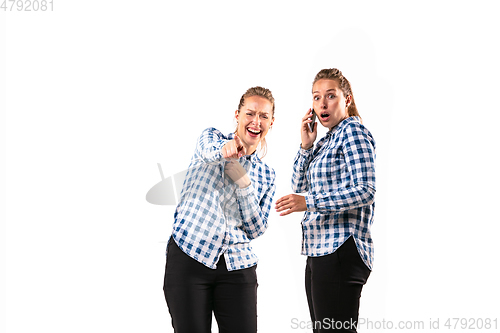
(279,203)
(287,212)
(237,141)
(282,199)
(284,206)
(233,150)
(307,120)
(226,150)
(305,125)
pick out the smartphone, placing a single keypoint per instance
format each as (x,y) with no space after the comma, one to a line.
(313,118)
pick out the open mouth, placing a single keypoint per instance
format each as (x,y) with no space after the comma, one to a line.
(324,116)
(253,132)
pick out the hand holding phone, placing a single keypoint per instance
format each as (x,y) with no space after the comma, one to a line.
(313,118)
(307,130)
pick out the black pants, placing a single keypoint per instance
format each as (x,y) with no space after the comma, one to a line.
(193,291)
(333,287)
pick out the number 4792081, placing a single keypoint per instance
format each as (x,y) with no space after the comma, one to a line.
(27,5)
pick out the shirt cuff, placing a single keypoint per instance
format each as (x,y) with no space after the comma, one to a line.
(305,151)
(303,157)
(311,207)
(216,154)
(243,192)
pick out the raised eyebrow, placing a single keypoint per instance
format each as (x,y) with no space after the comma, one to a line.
(317,92)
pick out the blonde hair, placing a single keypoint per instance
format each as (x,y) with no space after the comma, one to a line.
(344,84)
(265,93)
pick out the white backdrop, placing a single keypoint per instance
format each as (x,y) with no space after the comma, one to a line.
(97,93)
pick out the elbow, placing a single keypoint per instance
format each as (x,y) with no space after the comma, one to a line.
(252,236)
(253,233)
(369,198)
(299,189)
(365,196)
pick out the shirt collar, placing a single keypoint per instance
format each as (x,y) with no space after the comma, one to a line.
(342,124)
(253,158)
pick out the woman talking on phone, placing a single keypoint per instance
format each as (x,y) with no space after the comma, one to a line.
(338,174)
(225,202)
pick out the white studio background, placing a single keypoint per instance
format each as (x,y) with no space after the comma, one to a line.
(98,92)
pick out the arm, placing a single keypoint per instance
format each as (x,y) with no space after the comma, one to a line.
(254,212)
(209,146)
(213,147)
(300,166)
(304,156)
(359,153)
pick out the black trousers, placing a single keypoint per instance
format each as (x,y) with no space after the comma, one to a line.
(193,291)
(333,287)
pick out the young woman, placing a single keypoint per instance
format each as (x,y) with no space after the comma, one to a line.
(225,202)
(338,174)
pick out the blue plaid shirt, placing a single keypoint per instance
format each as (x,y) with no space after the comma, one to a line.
(339,177)
(216,217)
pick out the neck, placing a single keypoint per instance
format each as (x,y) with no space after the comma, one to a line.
(251,149)
(341,120)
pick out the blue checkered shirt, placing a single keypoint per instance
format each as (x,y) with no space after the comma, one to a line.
(338,174)
(216,217)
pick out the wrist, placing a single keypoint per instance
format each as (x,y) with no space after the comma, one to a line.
(243,182)
(305,147)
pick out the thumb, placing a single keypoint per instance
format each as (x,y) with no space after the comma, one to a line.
(242,151)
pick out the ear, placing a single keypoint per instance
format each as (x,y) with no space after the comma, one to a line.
(236,114)
(348,100)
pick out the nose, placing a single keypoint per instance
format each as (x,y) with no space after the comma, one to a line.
(256,120)
(323,103)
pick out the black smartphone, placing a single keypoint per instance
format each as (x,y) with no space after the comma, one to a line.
(313,118)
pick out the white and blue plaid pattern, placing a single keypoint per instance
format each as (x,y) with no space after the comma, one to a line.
(214,216)
(339,178)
